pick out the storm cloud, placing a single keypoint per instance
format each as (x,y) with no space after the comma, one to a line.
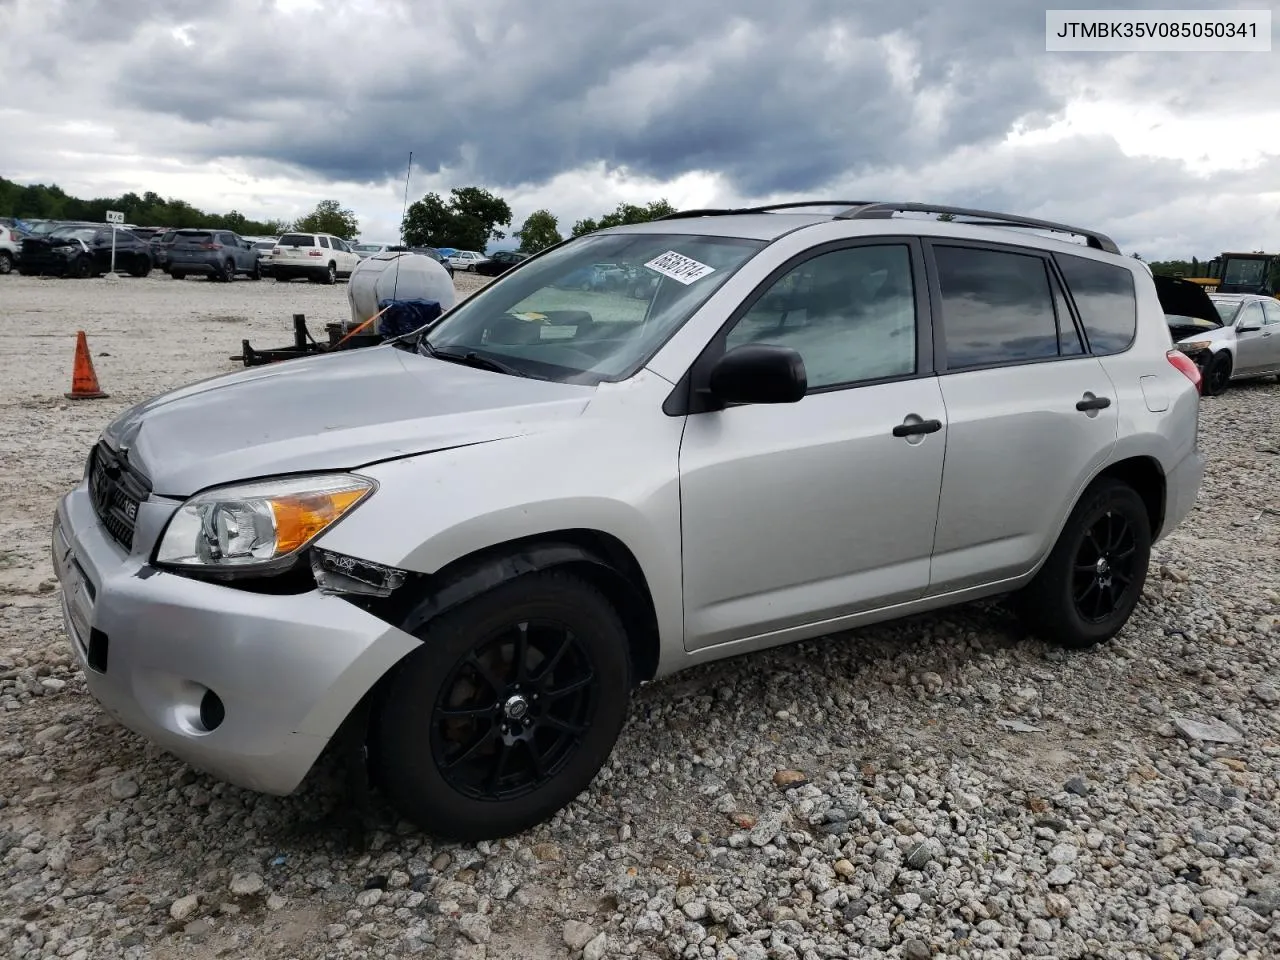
(768,99)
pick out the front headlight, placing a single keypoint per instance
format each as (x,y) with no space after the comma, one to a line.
(1194,346)
(257,525)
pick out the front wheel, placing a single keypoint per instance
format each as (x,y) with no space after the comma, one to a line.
(6,261)
(1087,589)
(507,711)
(1218,374)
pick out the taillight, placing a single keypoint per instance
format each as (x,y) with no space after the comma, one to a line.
(210,246)
(1186,366)
(315,253)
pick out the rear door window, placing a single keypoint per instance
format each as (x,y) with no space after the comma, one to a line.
(297,240)
(1105,298)
(324,242)
(997,307)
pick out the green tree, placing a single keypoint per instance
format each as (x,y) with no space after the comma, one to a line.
(468,220)
(540,230)
(329,217)
(623,214)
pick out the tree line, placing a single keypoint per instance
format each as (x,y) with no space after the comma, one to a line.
(470,218)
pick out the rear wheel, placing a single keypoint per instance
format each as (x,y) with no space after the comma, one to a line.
(331,274)
(1087,589)
(507,711)
(228,271)
(1218,374)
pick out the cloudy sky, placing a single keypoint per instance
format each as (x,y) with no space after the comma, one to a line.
(267,106)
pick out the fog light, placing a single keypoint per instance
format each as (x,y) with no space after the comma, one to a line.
(212,711)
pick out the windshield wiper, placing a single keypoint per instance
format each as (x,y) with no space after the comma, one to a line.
(469,358)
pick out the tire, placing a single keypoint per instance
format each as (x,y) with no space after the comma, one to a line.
(140,268)
(1087,589)
(228,272)
(80,268)
(408,739)
(331,275)
(1217,375)
(256,272)
(6,262)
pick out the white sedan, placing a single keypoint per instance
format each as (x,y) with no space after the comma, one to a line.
(466,260)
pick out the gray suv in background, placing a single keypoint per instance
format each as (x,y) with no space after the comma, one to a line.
(217,254)
(464,548)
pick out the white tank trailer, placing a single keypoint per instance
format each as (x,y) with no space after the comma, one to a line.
(396,275)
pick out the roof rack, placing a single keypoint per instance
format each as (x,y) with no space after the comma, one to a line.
(869,211)
(767,208)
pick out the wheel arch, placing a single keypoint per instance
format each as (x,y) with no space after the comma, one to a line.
(600,558)
(1147,478)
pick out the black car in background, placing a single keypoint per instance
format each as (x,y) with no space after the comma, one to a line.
(83,250)
(500,262)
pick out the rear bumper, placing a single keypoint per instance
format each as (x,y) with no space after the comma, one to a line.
(291,269)
(192,266)
(287,670)
(1182,486)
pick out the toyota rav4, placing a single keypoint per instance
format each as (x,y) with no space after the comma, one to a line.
(467,546)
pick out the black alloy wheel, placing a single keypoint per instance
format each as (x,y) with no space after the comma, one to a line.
(1088,586)
(506,711)
(1218,374)
(1104,567)
(513,711)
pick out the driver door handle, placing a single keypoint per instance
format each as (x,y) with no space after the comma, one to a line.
(1093,403)
(913,429)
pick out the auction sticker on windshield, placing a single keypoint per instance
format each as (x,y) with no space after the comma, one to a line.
(679,267)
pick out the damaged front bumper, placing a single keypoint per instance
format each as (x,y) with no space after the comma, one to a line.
(247,686)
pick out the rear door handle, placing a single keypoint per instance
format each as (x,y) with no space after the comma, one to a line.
(914,429)
(1093,403)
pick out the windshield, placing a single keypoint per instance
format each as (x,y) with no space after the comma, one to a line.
(75,233)
(1247,272)
(1227,309)
(593,310)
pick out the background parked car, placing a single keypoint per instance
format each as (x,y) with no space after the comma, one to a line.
(363,250)
(217,254)
(8,249)
(83,250)
(435,255)
(320,257)
(467,260)
(500,262)
(262,247)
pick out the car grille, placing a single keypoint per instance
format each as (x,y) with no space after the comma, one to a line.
(116,490)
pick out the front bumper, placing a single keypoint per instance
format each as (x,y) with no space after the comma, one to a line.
(286,669)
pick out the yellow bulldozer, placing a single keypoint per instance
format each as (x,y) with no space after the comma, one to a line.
(1241,273)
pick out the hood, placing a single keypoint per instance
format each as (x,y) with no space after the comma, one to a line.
(1182,298)
(334,411)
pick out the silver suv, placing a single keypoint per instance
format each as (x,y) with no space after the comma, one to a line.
(466,547)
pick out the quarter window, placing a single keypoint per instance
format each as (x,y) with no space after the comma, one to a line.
(1271,309)
(850,314)
(997,307)
(1104,296)
(324,242)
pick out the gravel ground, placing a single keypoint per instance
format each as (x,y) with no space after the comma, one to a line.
(937,787)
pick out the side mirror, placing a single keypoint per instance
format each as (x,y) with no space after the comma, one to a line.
(758,373)
(1250,328)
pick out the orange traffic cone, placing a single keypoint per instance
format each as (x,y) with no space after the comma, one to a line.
(84,382)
